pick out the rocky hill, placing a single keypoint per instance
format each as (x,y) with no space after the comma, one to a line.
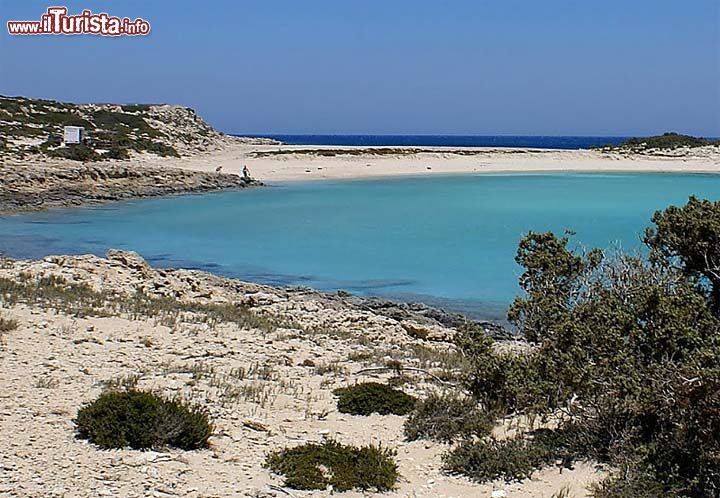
(38,171)
(35,127)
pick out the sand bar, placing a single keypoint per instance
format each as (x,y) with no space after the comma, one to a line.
(349,163)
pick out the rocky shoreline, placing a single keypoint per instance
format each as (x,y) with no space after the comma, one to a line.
(131,273)
(35,186)
(26,186)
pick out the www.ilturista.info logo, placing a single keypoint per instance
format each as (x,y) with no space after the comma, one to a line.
(56,21)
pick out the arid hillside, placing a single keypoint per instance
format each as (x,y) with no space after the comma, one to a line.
(113,131)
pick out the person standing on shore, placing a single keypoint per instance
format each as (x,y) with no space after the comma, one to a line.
(246,172)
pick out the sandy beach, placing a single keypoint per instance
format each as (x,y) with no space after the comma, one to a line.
(293,164)
(45,182)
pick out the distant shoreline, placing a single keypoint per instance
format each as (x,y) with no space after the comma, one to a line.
(39,183)
(133,151)
(283,163)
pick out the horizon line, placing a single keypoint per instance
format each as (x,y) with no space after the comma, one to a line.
(636,135)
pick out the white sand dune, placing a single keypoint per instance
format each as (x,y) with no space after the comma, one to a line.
(294,165)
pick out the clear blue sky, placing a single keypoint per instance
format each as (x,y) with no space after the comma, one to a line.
(550,67)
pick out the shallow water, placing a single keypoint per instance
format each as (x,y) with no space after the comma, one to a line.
(445,240)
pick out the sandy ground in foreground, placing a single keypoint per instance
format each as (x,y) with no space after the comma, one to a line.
(53,363)
(294,167)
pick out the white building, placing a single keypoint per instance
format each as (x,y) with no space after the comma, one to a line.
(74,134)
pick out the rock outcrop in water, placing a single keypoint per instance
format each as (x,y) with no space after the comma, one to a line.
(427,319)
(24,187)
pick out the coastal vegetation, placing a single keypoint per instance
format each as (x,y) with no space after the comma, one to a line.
(142,420)
(515,458)
(666,141)
(372,397)
(7,324)
(78,152)
(445,417)
(344,467)
(688,239)
(81,300)
(626,362)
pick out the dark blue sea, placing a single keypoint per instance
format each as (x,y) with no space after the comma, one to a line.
(447,140)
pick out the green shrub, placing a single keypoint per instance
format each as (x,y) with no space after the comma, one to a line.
(372,397)
(669,140)
(116,153)
(629,345)
(629,486)
(490,459)
(517,458)
(142,420)
(121,121)
(504,383)
(154,147)
(666,141)
(315,466)
(445,417)
(689,237)
(136,107)
(7,324)
(78,152)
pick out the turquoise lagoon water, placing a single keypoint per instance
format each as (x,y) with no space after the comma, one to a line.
(449,241)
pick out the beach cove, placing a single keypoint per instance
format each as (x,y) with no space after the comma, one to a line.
(447,241)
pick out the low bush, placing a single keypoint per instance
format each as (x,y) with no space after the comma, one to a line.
(122,121)
(444,417)
(490,459)
(155,147)
(77,152)
(372,397)
(136,107)
(629,486)
(7,324)
(517,458)
(116,153)
(142,420)
(563,492)
(317,465)
(668,140)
